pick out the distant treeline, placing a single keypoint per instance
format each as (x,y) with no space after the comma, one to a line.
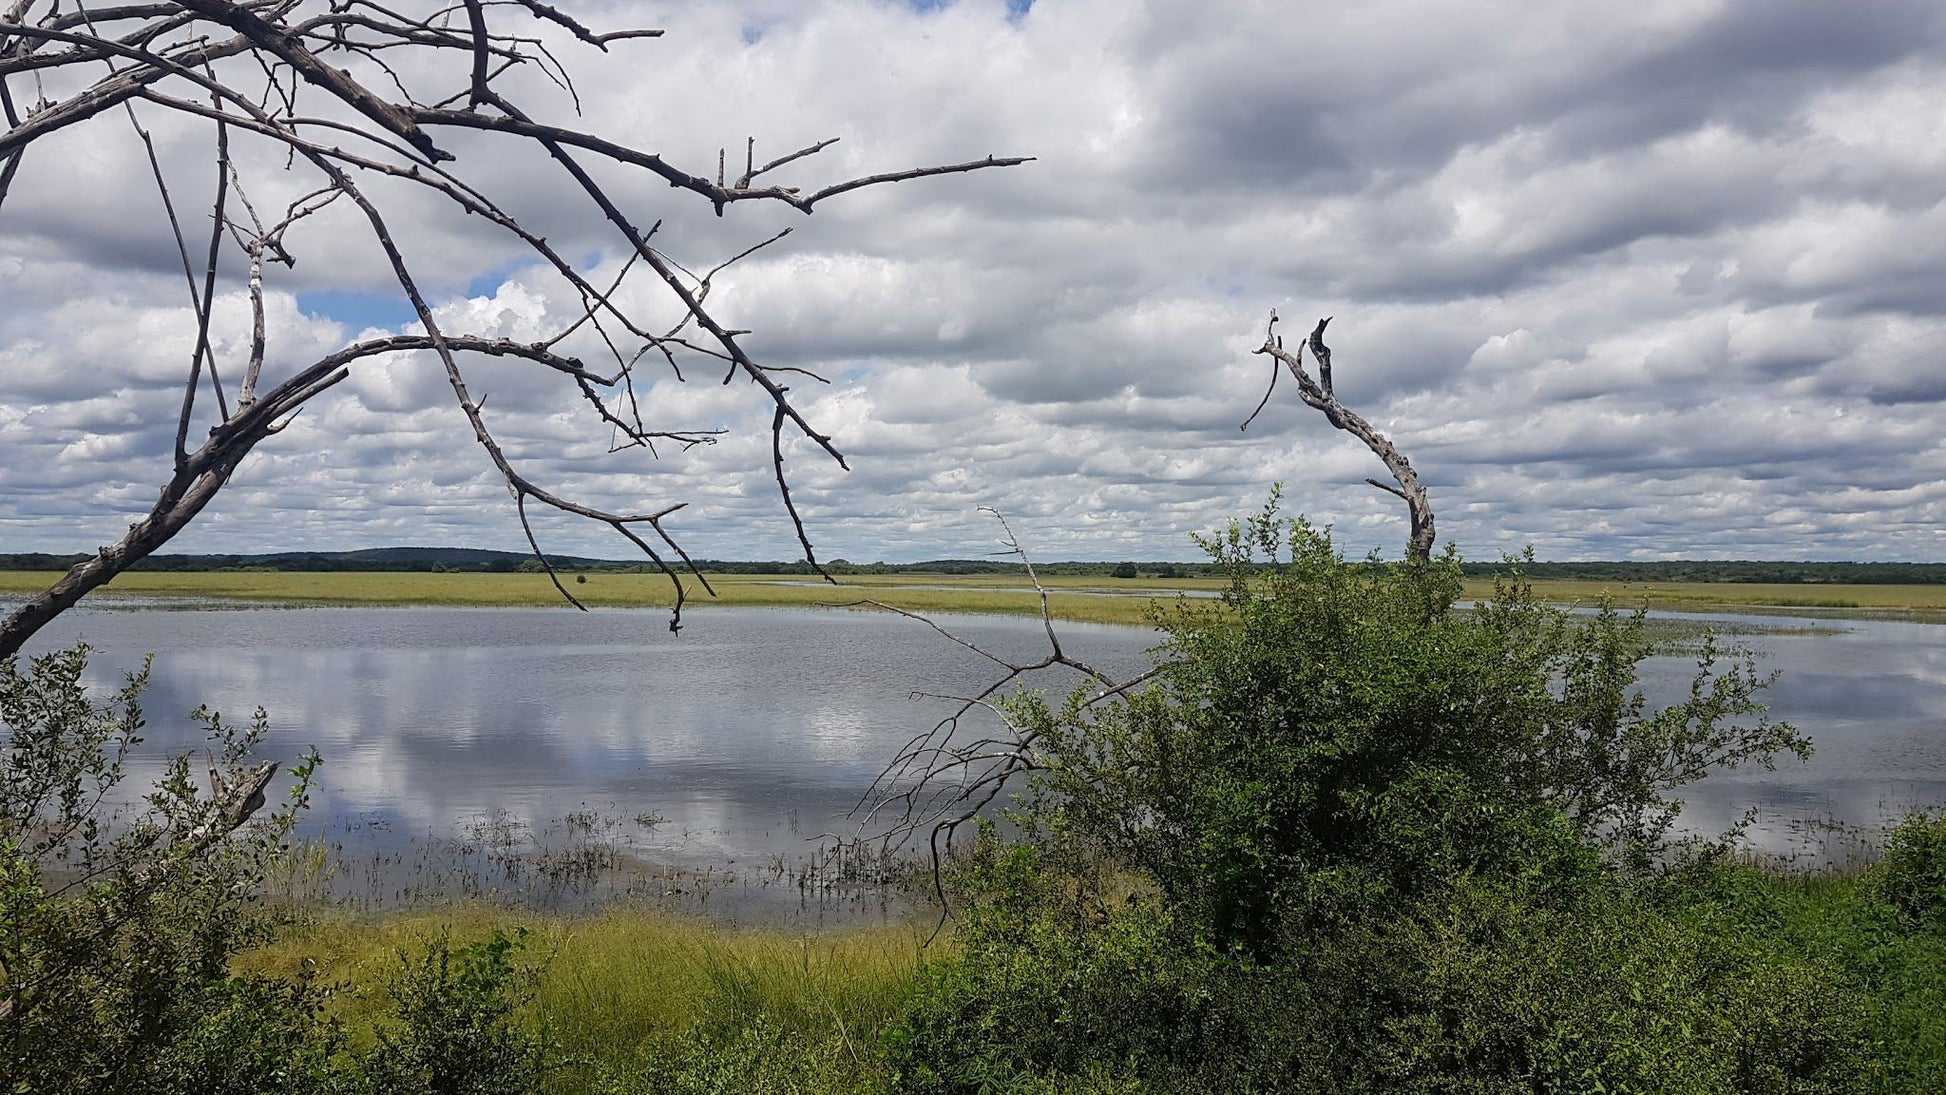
(479,560)
(1677,570)
(449,560)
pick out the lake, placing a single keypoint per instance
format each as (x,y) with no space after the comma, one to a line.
(464,747)
(460,743)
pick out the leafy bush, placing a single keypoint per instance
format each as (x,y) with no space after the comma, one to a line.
(1488,985)
(454,1032)
(1344,731)
(1056,987)
(1911,876)
(1359,836)
(116,932)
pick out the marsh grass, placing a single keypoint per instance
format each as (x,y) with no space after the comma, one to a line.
(1084,600)
(634,997)
(633,993)
(1081,599)
(581,862)
(1922,603)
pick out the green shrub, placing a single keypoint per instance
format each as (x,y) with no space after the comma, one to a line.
(116,938)
(1340,731)
(1360,837)
(454,1031)
(1911,876)
(1485,986)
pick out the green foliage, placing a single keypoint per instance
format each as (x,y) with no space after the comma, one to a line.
(1487,985)
(115,938)
(122,924)
(1360,837)
(454,1031)
(758,1058)
(1056,988)
(1911,876)
(1348,730)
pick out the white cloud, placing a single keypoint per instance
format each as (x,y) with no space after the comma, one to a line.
(1654,279)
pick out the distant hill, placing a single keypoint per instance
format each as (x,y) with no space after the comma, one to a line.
(484,560)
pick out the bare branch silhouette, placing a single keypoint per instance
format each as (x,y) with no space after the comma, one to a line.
(944,777)
(386,104)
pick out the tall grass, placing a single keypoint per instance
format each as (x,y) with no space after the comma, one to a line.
(638,999)
(633,996)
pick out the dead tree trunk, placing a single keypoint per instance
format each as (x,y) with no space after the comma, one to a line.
(1317,394)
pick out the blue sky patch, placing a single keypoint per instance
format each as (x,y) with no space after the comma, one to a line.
(358,311)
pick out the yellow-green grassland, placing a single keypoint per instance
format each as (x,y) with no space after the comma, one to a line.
(1088,599)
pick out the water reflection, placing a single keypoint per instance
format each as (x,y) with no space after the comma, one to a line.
(1872,699)
(757,729)
(748,736)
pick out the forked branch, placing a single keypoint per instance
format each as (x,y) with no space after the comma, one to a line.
(391,96)
(944,777)
(1317,394)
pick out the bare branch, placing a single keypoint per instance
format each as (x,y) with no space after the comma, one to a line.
(718,193)
(286,48)
(1317,394)
(1270,388)
(526,526)
(750,173)
(210,265)
(581,32)
(13,158)
(784,489)
(245,83)
(941,780)
(1390,489)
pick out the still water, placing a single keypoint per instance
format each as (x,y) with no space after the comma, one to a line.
(741,741)
(730,749)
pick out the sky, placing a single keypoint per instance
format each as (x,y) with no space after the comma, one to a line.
(1664,279)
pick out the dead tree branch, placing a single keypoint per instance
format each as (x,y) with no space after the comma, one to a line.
(407,98)
(944,777)
(1318,395)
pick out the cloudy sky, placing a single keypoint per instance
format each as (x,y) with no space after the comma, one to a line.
(1646,280)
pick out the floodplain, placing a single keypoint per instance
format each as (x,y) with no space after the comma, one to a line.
(1088,599)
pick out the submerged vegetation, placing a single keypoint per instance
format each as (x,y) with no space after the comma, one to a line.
(1359,835)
